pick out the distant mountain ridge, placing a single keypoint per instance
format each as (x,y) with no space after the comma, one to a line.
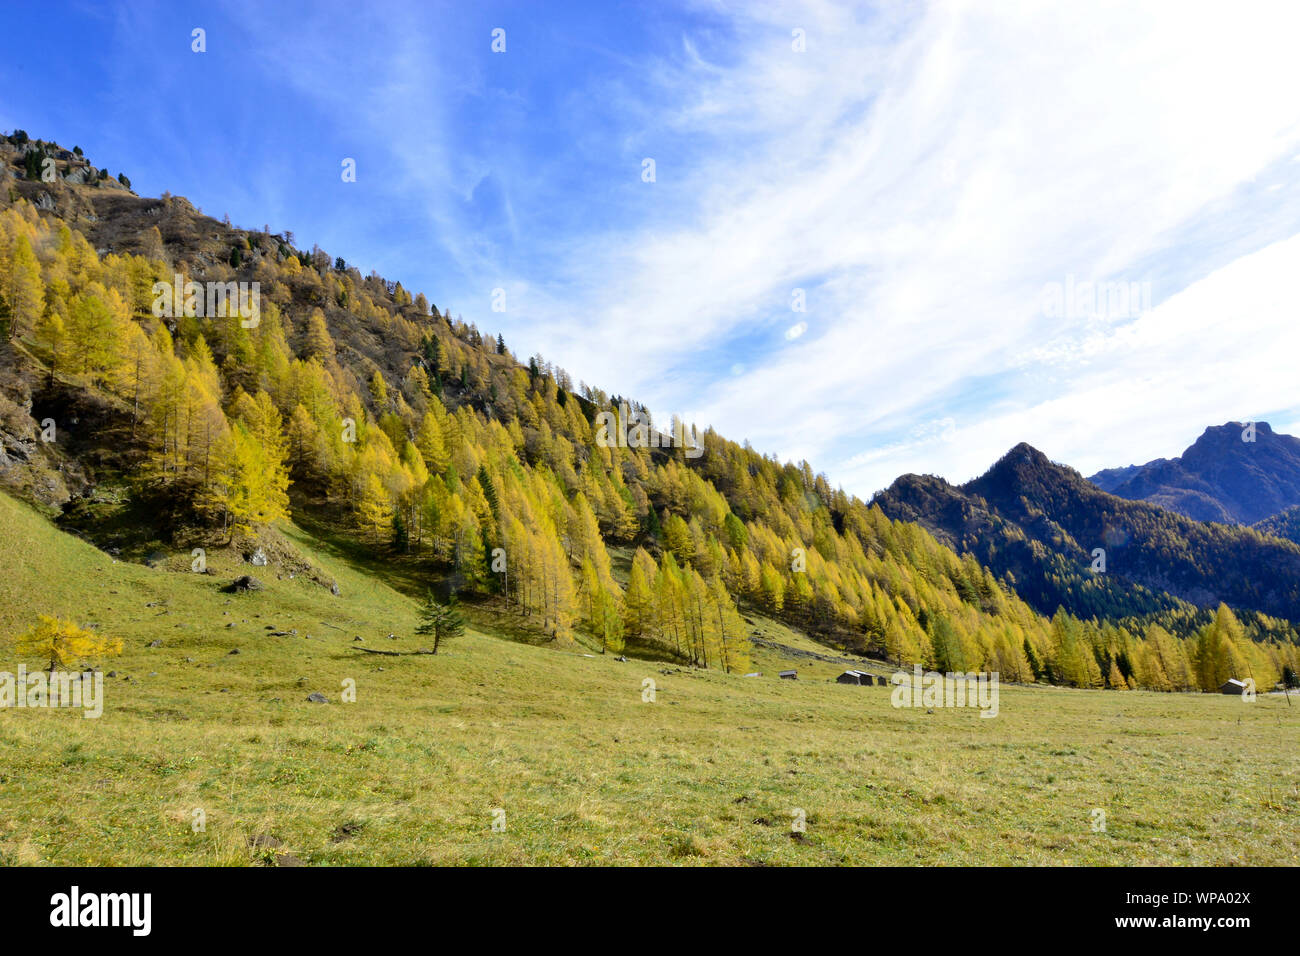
(1221,477)
(1040,523)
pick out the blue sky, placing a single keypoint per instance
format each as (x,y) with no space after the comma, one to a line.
(925,173)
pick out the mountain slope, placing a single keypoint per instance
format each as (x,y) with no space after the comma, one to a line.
(346,404)
(1221,477)
(365,408)
(1040,522)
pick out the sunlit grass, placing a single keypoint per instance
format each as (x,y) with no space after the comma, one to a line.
(710,772)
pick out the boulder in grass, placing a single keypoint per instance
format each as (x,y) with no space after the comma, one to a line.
(318,698)
(258,558)
(246,583)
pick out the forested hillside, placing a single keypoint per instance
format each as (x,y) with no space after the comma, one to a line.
(1284,524)
(350,399)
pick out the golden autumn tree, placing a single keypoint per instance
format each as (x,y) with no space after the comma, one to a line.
(601,608)
(52,333)
(62,643)
(248,489)
(23,290)
(379,390)
(639,598)
(319,345)
(94,334)
(262,419)
(374,508)
(429,439)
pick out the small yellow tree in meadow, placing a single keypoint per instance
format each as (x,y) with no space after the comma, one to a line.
(63,642)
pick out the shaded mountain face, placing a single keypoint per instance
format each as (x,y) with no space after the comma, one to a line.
(1108,479)
(1045,526)
(1222,477)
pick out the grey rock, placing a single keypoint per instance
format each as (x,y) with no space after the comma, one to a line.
(246,583)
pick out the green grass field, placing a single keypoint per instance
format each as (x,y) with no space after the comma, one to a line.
(710,772)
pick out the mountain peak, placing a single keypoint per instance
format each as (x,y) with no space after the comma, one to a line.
(1236,473)
(1020,461)
(1026,452)
(1235,431)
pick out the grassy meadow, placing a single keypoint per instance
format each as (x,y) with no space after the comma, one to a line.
(709,772)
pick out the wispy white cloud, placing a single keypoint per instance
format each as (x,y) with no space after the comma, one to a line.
(923,177)
(919,171)
(1223,349)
